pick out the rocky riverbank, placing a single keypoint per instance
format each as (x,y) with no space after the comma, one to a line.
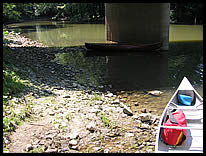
(68,116)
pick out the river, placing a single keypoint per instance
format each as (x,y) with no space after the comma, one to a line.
(128,74)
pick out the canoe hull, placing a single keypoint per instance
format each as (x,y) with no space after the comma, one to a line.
(122,47)
(194,117)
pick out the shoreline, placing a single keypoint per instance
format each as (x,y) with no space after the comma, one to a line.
(74,118)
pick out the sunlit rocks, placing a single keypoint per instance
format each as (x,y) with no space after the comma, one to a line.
(155,92)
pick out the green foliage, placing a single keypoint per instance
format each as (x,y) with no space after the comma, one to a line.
(107,123)
(10,12)
(5,34)
(12,83)
(186,13)
(12,86)
(69,116)
(181,13)
(74,12)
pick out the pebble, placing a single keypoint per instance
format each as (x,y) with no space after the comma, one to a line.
(106,150)
(97,148)
(155,92)
(127,110)
(143,110)
(145,117)
(94,110)
(117,101)
(99,102)
(29,147)
(91,127)
(129,134)
(51,113)
(73,135)
(73,142)
(109,95)
(74,147)
(51,150)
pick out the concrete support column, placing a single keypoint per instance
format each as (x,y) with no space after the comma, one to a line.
(138,22)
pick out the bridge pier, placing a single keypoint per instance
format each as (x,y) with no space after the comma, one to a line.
(138,22)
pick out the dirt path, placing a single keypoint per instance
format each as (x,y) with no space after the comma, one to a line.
(24,133)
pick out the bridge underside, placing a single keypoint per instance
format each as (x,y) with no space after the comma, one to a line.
(138,22)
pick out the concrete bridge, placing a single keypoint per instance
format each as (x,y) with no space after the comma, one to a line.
(138,22)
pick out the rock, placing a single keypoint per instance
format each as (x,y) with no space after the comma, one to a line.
(94,110)
(73,142)
(143,110)
(97,148)
(136,116)
(116,101)
(124,115)
(63,124)
(66,96)
(109,95)
(73,135)
(127,110)
(7,140)
(145,126)
(136,104)
(106,150)
(123,100)
(91,127)
(99,102)
(51,113)
(145,117)
(74,84)
(51,150)
(56,126)
(74,147)
(155,118)
(101,87)
(155,92)
(129,134)
(29,147)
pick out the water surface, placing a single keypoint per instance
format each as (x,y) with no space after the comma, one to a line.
(62,34)
(129,74)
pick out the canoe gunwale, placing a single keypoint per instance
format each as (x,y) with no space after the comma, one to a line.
(123,46)
(178,127)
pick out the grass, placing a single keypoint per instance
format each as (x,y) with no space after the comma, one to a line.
(13,88)
(12,85)
(97,97)
(107,122)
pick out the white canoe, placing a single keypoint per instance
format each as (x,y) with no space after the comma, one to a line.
(194,118)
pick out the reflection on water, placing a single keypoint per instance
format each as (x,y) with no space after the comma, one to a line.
(148,71)
(186,59)
(62,34)
(136,71)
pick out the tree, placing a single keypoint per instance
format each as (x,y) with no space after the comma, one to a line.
(187,13)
